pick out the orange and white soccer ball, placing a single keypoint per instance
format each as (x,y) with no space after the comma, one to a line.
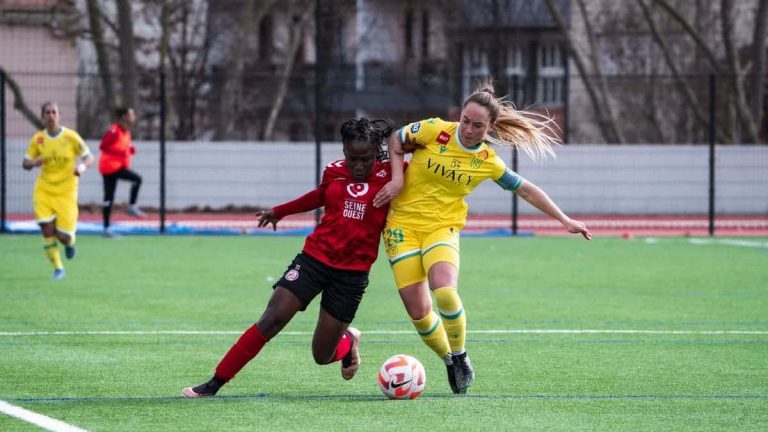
(402,377)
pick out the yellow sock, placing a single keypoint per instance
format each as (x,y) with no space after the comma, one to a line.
(454,319)
(431,330)
(52,250)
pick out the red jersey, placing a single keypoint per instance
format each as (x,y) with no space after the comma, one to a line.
(347,237)
(116,150)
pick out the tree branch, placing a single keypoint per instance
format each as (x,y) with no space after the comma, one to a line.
(608,127)
(710,55)
(19,103)
(683,85)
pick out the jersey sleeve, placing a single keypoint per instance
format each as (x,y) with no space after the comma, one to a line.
(108,140)
(82,149)
(505,177)
(32,150)
(419,134)
(312,199)
(309,201)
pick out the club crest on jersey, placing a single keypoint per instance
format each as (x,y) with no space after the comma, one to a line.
(291,275)
(40,140)
(479,158)
(382,173)
(443,138)
(356,190)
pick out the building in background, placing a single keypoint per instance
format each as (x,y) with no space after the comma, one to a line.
(39,53)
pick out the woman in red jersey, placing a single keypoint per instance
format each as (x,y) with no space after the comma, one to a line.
(115,164)
(335,260)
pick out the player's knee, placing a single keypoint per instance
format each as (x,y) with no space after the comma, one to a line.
(417,311)
(271,324)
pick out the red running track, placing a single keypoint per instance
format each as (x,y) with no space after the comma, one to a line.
(599,225)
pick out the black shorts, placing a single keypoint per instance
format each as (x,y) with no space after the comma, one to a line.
(342,290)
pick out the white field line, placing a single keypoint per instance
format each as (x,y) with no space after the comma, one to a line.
(386,332)
(36,419)
(729,242)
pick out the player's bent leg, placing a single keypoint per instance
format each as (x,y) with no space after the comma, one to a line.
(66,224)
(282,306)
(67,239)
(51,248)
(335,341)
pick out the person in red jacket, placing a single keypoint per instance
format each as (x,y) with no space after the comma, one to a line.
(335,261)
(115,164)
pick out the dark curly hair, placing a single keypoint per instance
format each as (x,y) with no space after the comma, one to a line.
(374,132)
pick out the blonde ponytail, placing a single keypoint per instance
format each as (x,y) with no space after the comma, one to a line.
(532,132)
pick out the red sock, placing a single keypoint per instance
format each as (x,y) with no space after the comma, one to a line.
(342,349)
(243,351)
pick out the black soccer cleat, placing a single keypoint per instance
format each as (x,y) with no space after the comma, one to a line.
(207,389)
(452,377)
(69,251)
(463,372)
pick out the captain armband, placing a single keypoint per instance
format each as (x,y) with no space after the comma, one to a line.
(510,180)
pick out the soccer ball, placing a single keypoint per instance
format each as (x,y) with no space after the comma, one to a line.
(402,377)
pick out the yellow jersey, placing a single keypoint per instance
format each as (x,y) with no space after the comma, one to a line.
(60,154)
(440,174)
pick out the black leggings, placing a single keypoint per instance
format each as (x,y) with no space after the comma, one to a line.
(110,184)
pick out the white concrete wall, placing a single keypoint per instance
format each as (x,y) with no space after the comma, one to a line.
(584,179)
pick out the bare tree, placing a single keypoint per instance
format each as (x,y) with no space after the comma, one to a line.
(127,53)
(95,17)
(732,69)
(606,120)
(683,85)
(19,103)
(749,132)
(757,84)
(232,87)
(297,34)
(187,57)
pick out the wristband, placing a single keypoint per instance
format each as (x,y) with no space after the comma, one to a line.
(80,168)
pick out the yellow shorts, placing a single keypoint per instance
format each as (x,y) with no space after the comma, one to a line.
(411,253)
(60,209)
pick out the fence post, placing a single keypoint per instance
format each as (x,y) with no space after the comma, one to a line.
(712,100)
(3,196)
(162,152)
(320,50)
(514,195)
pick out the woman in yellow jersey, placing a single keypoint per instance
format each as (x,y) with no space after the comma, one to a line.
(62,157)
(428,210)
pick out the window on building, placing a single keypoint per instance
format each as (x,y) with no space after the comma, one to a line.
(551,75)
(475,67)
(424,34)
(515,72)
(408,32)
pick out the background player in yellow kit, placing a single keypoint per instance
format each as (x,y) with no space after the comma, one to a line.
(62,156)
(421,237)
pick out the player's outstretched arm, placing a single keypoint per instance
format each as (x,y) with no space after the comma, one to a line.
(539,199)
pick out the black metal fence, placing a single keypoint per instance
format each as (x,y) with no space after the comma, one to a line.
(648,110)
